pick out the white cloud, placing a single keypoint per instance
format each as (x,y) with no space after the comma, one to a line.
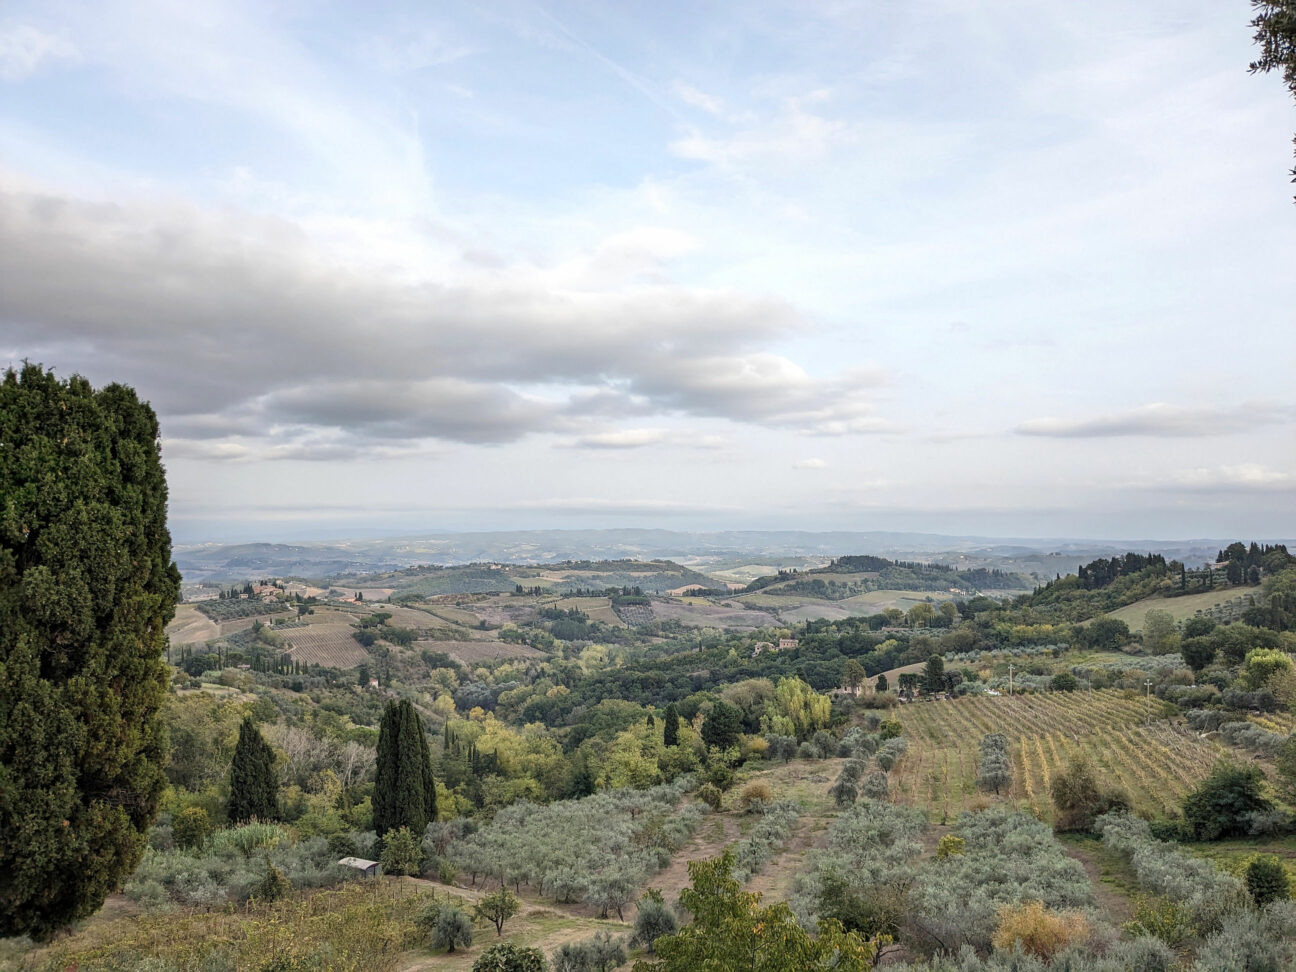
(1245,476)
(620,439)
(24,49)
(809,464)
(1163,420)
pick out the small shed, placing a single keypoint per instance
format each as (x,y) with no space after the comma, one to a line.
(369,868)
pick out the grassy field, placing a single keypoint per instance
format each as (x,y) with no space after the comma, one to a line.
(1157,763)
(1180,608)
(472,652)
(191,626)
(598,609)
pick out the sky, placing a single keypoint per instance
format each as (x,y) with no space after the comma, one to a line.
(959,266)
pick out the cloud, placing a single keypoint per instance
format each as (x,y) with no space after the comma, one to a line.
(24,49)
(1162,420)
(698,99)
(232,324)
(620,439)
(1246,476)
(809,464)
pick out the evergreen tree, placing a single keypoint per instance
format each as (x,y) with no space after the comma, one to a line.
(670,734)
(254,792)
(404,789)
(86,589)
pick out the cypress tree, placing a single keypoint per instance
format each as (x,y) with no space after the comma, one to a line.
(254,791)
(87,587)
(404,788)
(670,736)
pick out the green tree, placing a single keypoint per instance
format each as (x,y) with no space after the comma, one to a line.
(1275,25)
(732,931)
(404,789)
(881,684)
(1079,799)
(86,589)
(1198,652)
(1160,637)
(1266,880)
(670,722)
(191,827)
(401,852)
(1222,804)
(1064,682)
(452,930)
(273,886)
(853,675)
(497,908)
(509,957)
(934,674)
(254,790)
(722,725)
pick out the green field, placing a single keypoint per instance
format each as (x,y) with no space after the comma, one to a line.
(1180,608)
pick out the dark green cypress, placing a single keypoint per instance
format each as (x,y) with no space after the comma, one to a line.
(404,788)
(671,720)
(254,792)
(86,589)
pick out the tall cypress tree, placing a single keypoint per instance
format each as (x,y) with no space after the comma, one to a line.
(87,587)
(254,792)
(671,734)
(404,788)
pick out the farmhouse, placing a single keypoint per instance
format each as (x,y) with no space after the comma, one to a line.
(786,643)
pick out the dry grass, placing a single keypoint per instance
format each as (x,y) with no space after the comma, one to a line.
(330,645)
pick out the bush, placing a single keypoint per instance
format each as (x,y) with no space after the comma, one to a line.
(1064,682)
(1038,930)
(1163,919)
(1078,798)
(1220,806)
(950,845)
(452,930)
(497,908)
(273,886)
(755,795)
(1266,880)
(190,828)
(598,954)
(1258,940)
(508,957)
(710,794)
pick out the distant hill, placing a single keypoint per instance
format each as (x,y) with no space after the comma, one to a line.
(853,575)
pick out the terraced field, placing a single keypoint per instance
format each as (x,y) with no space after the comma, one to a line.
(1157,763)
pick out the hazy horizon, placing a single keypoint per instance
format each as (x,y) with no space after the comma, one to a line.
(937,267)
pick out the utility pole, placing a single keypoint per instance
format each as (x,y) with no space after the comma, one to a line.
(1010,680)
(1147,682)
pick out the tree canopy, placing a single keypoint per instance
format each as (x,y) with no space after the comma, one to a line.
(404,789)
(86,589)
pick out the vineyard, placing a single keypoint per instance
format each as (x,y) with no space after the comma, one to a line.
(330,645)
(1156,764)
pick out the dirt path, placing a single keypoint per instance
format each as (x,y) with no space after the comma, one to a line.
(1105,874)
(713,834)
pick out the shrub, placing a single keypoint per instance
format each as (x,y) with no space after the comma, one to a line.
(1259,940)
(755,795)
(875,786)
(995,770)
(1038,930)
(951,845)
(1064,682)
(191,827)
(273,886)
(1161,918)
(508,957)
(1078,798)
(598,954)
(710,794)
(1266,880)
(452,930)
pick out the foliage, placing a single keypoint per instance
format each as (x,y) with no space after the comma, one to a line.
(1037,930)
(950,845)
(670,726)
(1207,893)
(1079,798)
(601,953)
(86,588)
(1275,25)
(1266,880)
(995,769)
(1170,921)
(1221,805)
(254,787)
(1009,858)
(191,827)
(1257,940)
(1262,664)
(404,789)
(652,921)
(722,725)
(757,848)
(402,853)
(273,886)
(509,957)
(452,930)
(497,907)
(731,930)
